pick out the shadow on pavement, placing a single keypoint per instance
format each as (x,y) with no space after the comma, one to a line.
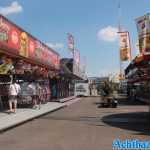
(96,121)
(136,121)
(123,100)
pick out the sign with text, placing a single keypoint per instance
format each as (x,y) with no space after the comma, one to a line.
(125,48)
(143,28)
(16,41)
(76,63)
(143,24)
(70,42)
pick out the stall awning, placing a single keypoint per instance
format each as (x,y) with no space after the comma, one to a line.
(67,68)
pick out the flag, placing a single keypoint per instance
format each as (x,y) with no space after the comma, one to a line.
(125,47)
(76,62)
(143,25)
(70,42)
(143,28)
(77,56)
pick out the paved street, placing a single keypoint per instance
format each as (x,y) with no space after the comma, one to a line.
(80,126)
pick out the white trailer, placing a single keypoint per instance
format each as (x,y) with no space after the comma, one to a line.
(81,89)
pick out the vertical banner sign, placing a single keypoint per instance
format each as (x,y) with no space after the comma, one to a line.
(125,48)
(70,42)
(76,63)
(143,28)
(83,66)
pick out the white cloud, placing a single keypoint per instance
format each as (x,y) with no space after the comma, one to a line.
(55,45)
(14,7)
(108,34)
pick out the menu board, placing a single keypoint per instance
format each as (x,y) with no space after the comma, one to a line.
(16,41)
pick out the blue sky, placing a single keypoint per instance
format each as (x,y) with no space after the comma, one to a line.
(51,20)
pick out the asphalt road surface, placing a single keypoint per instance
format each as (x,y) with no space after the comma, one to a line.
(80,126)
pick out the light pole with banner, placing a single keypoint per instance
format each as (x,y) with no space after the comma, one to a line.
(71,45)
(75,53)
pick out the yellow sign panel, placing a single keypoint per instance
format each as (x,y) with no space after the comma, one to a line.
(125,48)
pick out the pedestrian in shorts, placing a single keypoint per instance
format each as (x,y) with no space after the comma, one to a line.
(14,90)
(39,90)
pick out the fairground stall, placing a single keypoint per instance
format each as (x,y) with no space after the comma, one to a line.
(138,71)
(138,78)
(26,59)
(63,84)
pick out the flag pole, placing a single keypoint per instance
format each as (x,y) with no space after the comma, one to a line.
(119,30)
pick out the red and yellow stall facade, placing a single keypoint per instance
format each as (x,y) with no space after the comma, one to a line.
(16,42)
(24,56)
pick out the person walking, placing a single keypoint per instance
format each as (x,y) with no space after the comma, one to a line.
(33,92)
(105,91)
(14,90)
(39,94)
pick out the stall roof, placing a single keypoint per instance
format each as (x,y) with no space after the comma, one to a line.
(137,62)
(66,68)
(142,73)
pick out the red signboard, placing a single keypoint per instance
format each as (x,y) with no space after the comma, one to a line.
(31,48)
(16,41)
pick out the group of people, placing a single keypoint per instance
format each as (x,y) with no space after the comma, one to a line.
(36,92)
(105,89)
(108,96)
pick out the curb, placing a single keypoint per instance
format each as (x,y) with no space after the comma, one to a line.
(6,128)
(67,99)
